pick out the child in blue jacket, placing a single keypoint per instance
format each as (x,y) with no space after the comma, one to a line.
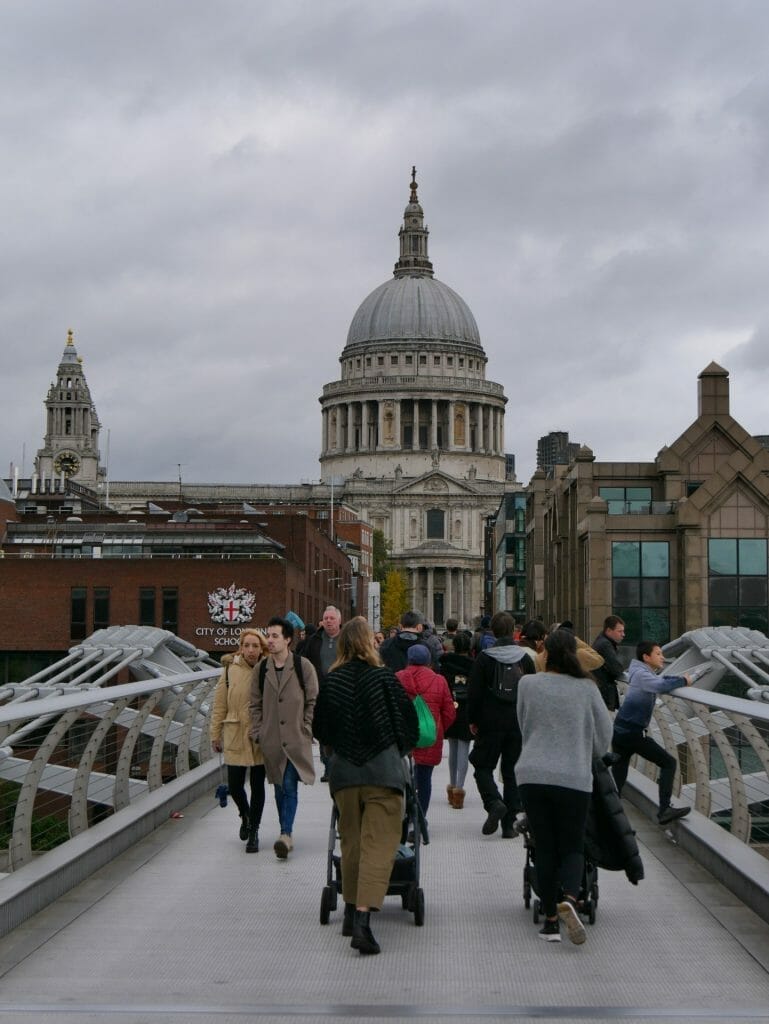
(633,718)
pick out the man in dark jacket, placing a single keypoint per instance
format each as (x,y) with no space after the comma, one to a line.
(494,724)
(394,652)
(607,644)
(320,649)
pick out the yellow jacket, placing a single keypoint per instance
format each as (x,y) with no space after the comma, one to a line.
(230,720)
(589,659)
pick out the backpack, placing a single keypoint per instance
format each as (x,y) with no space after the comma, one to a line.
(297,669)
(504,684)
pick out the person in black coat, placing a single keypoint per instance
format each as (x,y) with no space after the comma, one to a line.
(494,724)
(607,644)
(455,667)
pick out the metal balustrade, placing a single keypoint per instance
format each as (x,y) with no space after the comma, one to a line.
(721,741)
(74,751)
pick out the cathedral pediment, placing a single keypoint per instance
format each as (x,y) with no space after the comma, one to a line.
(436,482)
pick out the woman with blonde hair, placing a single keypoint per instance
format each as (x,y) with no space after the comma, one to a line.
(230,724)
(366,719)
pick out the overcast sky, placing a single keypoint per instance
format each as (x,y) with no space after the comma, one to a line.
(206,191)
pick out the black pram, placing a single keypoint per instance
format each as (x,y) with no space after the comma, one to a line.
(610,844)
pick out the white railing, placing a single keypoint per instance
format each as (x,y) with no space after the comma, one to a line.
(69,761)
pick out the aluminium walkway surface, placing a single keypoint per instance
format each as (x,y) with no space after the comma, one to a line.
(186,927)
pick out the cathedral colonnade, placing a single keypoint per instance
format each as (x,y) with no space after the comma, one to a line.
(413,424)
(445,592)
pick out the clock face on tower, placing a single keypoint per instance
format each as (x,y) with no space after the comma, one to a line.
(67,463)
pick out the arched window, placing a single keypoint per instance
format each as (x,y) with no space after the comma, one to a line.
(435,524)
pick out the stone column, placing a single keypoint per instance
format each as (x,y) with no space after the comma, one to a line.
(433,427)
(364,440)
(324,431)
(430,610)
(380,424)
(339,436)
(447,595)
(450,438)
(461,597)
(350,446)
(398,434)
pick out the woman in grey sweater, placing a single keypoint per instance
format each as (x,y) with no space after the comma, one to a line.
(564,724)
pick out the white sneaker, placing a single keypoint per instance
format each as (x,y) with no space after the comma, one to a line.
(567,912)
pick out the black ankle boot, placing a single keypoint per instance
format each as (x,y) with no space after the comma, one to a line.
(252,846)
(347,920)
(362,939)
(243,834)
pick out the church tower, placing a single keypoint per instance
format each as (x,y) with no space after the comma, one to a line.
(71,443)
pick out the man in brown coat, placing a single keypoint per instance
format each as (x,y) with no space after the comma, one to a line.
(284,689)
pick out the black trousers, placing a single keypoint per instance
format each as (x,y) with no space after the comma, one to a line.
(236,783)
(628,743)
(557,818)
(488,749)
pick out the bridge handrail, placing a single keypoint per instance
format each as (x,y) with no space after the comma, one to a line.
(94,750)
(694,724)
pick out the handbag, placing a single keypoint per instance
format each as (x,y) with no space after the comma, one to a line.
(428,730)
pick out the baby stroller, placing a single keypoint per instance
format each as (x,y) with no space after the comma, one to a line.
(587,899)
(404,878)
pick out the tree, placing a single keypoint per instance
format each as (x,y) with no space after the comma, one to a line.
(395,598)
(380,556)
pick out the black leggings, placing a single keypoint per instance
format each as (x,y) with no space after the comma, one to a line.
(557,818)
(628,743)
(236,783)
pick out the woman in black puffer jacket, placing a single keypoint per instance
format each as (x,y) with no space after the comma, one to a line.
(455,667)
(365,718)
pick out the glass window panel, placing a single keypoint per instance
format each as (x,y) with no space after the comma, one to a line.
(617,493)
(146,606)
(655,593)
(77,613)
(723,591)
(625,558)
(655,558)
(435,521)
(639,494)
(752,590)
(755,618)
(170,609)
(632,619)
(724,616)
(639,506)
(615,508)
(626,592)
(100,607)
(752,557)
(655,624)
(722,557)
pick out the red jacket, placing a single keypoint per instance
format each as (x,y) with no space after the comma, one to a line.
(434,690)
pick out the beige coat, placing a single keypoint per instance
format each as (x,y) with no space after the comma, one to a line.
(230,719)
(589,659)
(281,719)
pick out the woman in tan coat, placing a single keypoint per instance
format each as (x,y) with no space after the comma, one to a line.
(230,724)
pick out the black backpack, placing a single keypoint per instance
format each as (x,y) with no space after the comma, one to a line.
(504,683)
(297,669)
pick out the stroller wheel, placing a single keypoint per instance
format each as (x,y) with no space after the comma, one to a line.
(535,911)
(526,890)
(419,908)
(326,903)
(590,911)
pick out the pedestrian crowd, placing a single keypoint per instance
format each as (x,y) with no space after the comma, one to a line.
(530,708)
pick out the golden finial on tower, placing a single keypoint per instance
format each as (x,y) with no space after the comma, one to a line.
(70,337)
(414,185)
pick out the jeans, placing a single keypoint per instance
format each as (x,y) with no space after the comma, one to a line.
(628,743)
(236,783)
(557,818)
(287,799)
(459,752)
(423,779)
(487,750)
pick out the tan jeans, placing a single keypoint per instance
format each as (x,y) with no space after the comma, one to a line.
(370,821)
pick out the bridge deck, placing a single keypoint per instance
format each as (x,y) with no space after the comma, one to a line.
(186,927)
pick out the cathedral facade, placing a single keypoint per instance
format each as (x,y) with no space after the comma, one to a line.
(414,432)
